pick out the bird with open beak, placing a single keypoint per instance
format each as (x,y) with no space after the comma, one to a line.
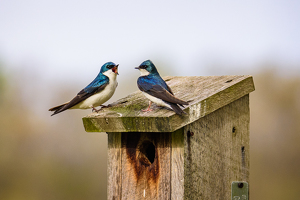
(96,93)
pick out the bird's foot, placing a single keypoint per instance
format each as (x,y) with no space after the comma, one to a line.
(147,110)
(95,110)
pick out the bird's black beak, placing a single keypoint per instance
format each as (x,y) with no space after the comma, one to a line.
(137,68)
(115,69)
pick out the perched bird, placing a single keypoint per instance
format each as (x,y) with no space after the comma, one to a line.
(96,93)
(156,89)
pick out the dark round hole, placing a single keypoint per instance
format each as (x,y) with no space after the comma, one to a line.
(147,149)
(240,185)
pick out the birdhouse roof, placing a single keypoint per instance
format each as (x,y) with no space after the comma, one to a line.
(205,94)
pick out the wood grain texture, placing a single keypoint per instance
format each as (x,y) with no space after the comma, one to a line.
(177,165)
(201,166)
(218,152)
(144,177)
(114,184)
(205,94)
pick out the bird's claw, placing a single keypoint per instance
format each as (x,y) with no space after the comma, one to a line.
(96,110)
(147,110)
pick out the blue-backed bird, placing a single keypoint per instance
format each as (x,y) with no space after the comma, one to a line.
(96,93)
(156,89)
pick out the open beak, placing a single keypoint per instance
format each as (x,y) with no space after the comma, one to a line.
(115,69)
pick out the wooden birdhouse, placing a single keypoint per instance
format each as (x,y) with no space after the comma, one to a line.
(162,155)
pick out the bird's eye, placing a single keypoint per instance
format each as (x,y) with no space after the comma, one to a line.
(110,66)
(144,66)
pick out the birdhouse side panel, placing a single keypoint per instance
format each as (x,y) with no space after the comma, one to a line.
(216,152)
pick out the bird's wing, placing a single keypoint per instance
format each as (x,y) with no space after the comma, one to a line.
(169,89)
(159,92)
(96,86)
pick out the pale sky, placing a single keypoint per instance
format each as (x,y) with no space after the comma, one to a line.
(72,39)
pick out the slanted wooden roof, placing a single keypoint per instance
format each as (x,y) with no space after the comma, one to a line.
(205,94)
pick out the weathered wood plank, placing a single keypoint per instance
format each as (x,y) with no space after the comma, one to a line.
(146,166)
(205,94)
(114,166)
(177,165)
(218,152)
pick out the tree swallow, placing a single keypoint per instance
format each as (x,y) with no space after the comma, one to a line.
(96,93)
(156,89)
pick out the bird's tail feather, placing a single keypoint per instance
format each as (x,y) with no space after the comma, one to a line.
(187,103)
(177,109)
(57,109)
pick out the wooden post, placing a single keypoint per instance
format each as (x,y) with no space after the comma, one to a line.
(161,155)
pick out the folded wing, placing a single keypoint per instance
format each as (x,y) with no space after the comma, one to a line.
(161,93)
(96,86)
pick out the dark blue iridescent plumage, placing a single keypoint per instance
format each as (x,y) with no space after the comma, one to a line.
(100,80)
(147,82)
(96,83)
(152,84)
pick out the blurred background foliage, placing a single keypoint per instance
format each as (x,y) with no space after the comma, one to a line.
(274,139)
(38,161)
(51,158)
